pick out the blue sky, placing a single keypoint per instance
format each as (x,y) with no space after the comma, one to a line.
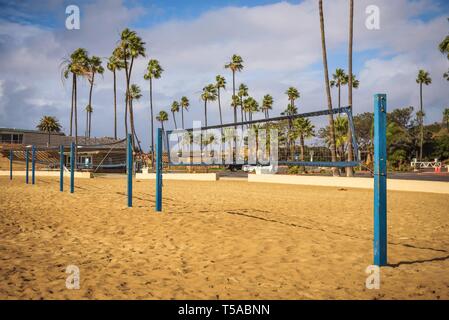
(279,42)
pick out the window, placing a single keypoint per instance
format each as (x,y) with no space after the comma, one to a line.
(16,138)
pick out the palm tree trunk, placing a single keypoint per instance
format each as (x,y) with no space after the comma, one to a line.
(131,121)
(152,123)
(76,115)
(90,105)
(301,142)
(115,106)
(233,95)
(87,126)
(328,93)
(235,117)
(131,111)
(127,92)
(48,139)
(421,120)
(350,170)
(182,116)
(205,113)
(339,96)
(174,119)
(71,111)
(219,107)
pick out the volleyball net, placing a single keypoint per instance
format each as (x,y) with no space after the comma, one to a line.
(101,158)
(113,156)
(297,139)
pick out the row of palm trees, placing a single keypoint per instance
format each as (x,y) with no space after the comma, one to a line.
(131,47)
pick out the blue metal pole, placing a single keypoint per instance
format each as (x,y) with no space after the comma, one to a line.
(72,167)
(61,168)
(159,170)
(129,169)
(33,165)
(27,165)
(10,164)
(380,180)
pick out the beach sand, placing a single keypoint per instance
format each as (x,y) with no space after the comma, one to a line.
(216,240)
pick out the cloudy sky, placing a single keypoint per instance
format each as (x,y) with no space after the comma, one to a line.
(279,42)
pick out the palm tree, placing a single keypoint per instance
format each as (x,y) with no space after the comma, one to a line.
(94,67)
(209,94)
(242,93)
(236,64)
(305,130)
(422,78)
(290,111)
(250,106)
(162,117)
(349,170)
(115,64)
(174,108)
(185,103)
(292,94)
(220,83)
(446,117)
(134,94)
(267,104)
(341,135)
(328,91)
(154,71)
(132,47)
(77,66)
(49,124)
(444,45)
(338,79)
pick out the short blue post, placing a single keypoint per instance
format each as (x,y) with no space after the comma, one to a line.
(11,154)
(129,169)
(380,180)
(72,167)
(159,170)
(33,165)
(27,165)
(61,168)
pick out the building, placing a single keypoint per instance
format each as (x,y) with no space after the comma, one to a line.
(93,154)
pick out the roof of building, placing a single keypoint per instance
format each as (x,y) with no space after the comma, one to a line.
(40,138)
(17,130)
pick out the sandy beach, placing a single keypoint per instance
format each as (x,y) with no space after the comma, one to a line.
(216,240)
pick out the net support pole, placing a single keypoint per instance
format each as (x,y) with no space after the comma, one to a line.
(129,169)
(33,165)
(72,167)
(380,180)
(27,165)
(11,154)
(61,168)
(159,170)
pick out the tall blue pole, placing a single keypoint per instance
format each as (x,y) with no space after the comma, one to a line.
(61,168)
(129,169)
(380,180)
(72,167)
(10,164)
(159,170)
(33,165)
(27,165)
